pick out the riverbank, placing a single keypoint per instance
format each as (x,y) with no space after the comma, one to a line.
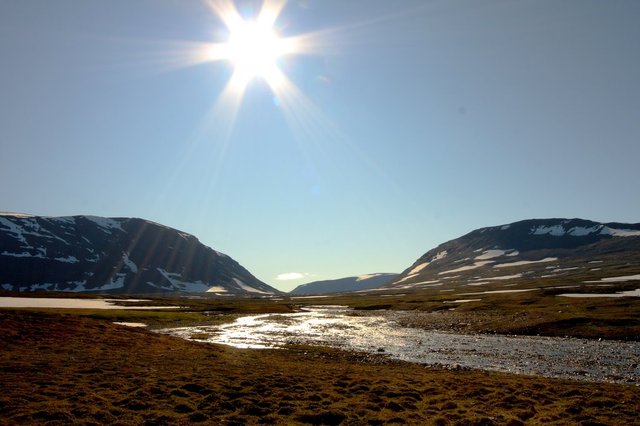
(66,369)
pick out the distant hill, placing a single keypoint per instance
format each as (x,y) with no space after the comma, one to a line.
(530,250)
(362,282)
(115,255)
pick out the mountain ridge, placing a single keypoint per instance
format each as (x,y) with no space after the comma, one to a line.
(531,248)
(346,284)
(85,253)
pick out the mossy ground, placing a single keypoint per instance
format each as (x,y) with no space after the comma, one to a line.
(69,369)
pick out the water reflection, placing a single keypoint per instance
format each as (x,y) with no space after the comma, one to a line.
(378,332)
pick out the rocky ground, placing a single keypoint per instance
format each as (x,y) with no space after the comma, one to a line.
(66,369)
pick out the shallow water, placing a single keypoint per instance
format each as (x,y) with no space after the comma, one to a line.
(71,303)
(377,332)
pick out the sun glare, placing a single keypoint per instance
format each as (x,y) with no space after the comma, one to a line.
(254,49)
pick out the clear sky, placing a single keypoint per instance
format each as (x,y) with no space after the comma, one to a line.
(413,122)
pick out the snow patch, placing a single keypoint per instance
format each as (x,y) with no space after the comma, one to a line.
(505,277)
(172,277)
(105,223)
(68,259)
(620,232)
(580,231)
(499,291)
(419,268)
(130,264)
(628,293)
(490,254)
(525,262)
(248,288)
(406,278)
(573,268)
(216,289)
(23,254)
(616,279)
(439,256)
(468,267)
(556,230)
(367,276)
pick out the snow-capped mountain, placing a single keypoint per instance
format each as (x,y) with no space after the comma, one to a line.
(530,250)
(116,255)
(360,282)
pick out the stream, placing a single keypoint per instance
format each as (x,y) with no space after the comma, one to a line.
(378,333)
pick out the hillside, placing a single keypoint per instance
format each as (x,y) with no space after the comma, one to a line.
(361,282)
(571,251)
(115,255)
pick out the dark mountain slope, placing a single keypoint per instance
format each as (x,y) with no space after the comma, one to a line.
(118,255)
(535,249)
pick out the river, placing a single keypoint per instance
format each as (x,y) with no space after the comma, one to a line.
(378,332)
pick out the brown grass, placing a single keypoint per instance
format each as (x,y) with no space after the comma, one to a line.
(67,369)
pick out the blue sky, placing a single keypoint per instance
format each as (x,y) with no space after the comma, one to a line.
(421,121)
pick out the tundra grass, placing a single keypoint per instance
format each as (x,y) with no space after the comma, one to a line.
(61,369)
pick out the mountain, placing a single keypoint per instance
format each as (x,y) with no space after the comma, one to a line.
(530,251)
(361,282)
(115,255)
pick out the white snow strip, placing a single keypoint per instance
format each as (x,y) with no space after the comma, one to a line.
(68,259)
(23,254)
(112,285)
(105,223)
(468,267)
(616,279)
(573,268)
(505,277)
(556,230)
(418,268)
(525,262)
(620,232)
(427,282)
(499,291)
(462,301)
(580,231)
(7,286)
(629,293)
(216,289)
(248,288)
(490,254)
(180,285)
(596,261)
(439,256)
(405,278)
(505,227)
(130,264)
(479,283)
(13,229)
(367,276)
(513,253)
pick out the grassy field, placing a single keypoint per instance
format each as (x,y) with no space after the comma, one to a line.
(69,369)
(75,366)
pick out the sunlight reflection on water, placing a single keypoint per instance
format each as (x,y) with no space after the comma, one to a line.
(377,332)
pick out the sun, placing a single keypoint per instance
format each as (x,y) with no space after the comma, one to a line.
(254,49)
(254,46)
